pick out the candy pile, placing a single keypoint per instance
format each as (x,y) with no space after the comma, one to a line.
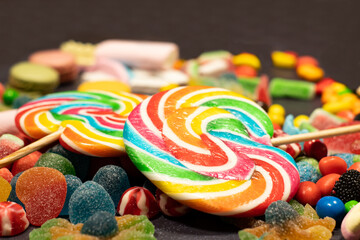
(202,146)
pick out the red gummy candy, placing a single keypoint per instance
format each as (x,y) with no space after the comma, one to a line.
(12,218)
(138,201)
(25,163)
(43,192)
(6,174)
(169,206)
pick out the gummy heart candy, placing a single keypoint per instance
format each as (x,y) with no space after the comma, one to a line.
(43,192)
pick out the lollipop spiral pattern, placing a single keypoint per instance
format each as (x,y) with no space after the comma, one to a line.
(209,148)
(93,121)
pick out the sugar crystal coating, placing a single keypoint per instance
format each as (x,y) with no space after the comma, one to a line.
(56,161)
(25,163)
(13,197)
(12,218)
(72,183)
(88,199)
(280,212)
(114,179)
(5,189)
(43,192)
(6,174)
(101,224)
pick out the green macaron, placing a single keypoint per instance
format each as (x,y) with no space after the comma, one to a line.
(33,77)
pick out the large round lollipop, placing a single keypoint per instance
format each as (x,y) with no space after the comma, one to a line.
(92,121)
(209,148)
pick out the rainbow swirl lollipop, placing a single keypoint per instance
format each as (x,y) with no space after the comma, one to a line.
(93,121)
(209,148)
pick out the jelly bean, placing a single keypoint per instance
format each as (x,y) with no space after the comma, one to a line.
(12,218)
(327,183)
(281,87)
(332,164)
(277,119)
(277,109)
(350,204)
(308,192)
(299,119)
(245,71)
(9,96)
(247,59)
(322,84)
(283,59)
(43,192)
(330,206)
(302,60)
(5,189)
(355,166)
(309,72)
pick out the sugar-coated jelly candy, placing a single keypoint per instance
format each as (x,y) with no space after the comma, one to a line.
(101,224)
(43,192)
(279,212)
(9,143)
(88,199)
(12,218)
(80,162)
(114,179)
(56,161)
(283,59)
(129,227)
(13,197)
(72,183)
(138,201)
(330,206)
(6,174)
(281,87)
(169,206)
(5,189)
(25,163)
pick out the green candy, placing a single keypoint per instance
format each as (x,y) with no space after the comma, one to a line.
(56,161)
(287,88)
(9,96)
(350,204)
(33,77)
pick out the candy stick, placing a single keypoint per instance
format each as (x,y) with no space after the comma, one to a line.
(45,141)
(316,135)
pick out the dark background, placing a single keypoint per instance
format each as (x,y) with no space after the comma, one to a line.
(329,30)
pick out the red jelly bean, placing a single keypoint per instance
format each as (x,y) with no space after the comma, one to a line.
(12,218)
(169,206)
(308,192)
(355,166)
(245,71)
(327,183)
(138,201)
(43,191)
(332,164)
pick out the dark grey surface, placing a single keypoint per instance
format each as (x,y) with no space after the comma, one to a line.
(329,30)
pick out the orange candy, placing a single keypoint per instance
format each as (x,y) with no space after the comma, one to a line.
(327,183)
(332,164)
(43,192)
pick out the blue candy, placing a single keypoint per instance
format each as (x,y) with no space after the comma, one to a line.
(13,197)
(72,183)
(308,172)
(101,224)
(330,206)
(114,179)
(279,212)
(88,199)
(289,128)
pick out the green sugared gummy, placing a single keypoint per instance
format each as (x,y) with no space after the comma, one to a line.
(356,158)
(312,161)
(56,161)
(243,235)
(310,212)
(129,234)
(281,87)
(136,223)
(297,206)
(43,233)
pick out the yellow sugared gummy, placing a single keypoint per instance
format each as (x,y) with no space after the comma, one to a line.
(299,119)
(276,109)
(283,59)
(247,59)
(5,189)
(277,118)
(104,86)
(310,72)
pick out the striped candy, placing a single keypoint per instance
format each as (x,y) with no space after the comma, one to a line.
(12,218)
(209,148)
(93,121)
(138,201)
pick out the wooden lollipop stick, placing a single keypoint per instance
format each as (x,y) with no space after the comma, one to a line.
(32,147)
(316,135)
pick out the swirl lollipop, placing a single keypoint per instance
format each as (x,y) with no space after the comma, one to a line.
(90,123)
(209,148)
